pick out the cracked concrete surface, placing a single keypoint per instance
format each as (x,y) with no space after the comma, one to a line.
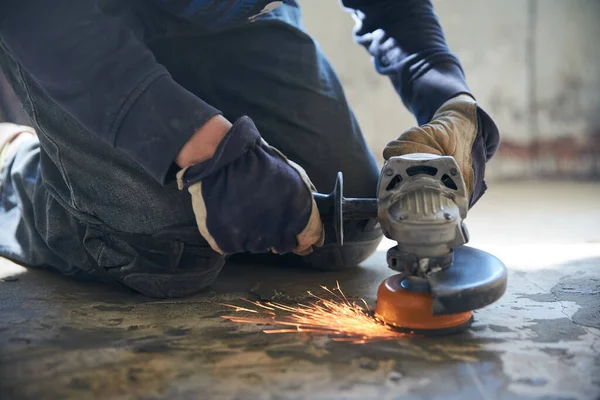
(65,340)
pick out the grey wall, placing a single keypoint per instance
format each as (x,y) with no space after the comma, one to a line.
(533,64)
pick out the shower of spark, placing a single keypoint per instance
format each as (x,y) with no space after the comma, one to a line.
(345,321)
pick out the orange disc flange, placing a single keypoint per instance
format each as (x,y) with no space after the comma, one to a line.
(411,309)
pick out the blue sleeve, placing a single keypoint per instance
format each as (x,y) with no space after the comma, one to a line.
(99,71)
(407,43)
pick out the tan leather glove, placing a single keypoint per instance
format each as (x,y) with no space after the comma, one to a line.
(451,132)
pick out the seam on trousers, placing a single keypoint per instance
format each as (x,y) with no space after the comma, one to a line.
(39,128)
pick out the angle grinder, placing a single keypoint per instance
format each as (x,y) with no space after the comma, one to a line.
(421,204)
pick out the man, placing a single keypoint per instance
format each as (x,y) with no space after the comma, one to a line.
(170,134)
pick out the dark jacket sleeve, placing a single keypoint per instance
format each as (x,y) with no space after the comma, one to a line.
(98,70)
(408,45)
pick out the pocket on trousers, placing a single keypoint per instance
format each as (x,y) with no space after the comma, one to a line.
(155,267)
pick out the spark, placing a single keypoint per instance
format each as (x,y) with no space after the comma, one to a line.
(337,316)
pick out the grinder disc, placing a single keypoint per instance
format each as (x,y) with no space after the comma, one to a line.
(405,302)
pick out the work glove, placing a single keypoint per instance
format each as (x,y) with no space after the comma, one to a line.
(250,198)
(456,130)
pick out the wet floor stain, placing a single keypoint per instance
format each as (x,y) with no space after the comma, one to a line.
(177,331)
(113,308)
(499,328)
(533,381)
(585,292)
(556,330)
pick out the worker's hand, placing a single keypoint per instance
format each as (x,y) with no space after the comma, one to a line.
(248,197)
(451,132)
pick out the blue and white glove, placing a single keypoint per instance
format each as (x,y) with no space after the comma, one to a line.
(250,198)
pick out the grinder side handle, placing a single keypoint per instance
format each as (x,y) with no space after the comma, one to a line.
(334,209)
(330,209)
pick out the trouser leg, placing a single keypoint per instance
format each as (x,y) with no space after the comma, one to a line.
(72,202)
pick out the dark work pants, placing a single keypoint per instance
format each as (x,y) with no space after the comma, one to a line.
(73,203)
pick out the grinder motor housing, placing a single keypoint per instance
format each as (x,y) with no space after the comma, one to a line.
(422,202)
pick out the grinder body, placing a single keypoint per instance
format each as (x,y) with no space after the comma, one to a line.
(421,204)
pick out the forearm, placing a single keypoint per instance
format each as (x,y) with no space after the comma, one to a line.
(407,44)
(99,71)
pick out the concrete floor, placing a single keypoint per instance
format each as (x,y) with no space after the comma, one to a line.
(64,340)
